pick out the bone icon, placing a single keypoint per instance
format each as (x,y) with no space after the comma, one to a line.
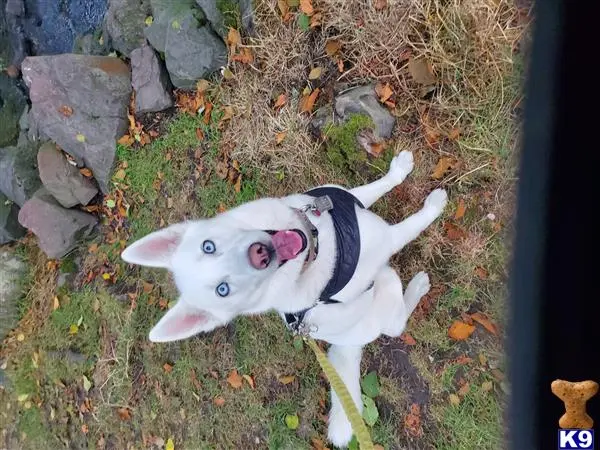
(575,395)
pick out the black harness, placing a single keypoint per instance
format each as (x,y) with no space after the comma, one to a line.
(347,236)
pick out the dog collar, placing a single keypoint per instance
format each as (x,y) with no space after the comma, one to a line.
(320,205)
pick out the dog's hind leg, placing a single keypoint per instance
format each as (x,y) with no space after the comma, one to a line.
(346,361)
(410,228)
(400,167)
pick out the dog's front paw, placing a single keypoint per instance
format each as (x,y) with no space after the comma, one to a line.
(419,285)
(401,166)
(436,201)
(339,432)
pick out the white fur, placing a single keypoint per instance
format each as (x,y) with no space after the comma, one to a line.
(360,317)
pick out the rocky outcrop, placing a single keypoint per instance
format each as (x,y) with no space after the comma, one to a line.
(150,81)
(58,229)
(125,23)
(63,180)
(80,102)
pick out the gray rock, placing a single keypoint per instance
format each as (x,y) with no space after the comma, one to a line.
(150,81)
(58,229)
(222,15)
(214,16)
(192,50)
(97,89)
(12,104)
(12,271)
(68,355)
(19,177)
(125,23)
(247,15)
(192,53)
(364,100)
(62,179)
(10,229)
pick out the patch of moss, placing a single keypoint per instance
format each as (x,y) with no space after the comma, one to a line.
(346,157)
(231,13)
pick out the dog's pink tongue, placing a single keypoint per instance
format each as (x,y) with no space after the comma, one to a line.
(287,244)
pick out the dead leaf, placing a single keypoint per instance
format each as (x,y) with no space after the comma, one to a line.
(464,389)
(147,287)
(412,421)
(453,134)
(487,386)
(234,379)
(120,174)
(284,9)
(485,322)
(245,56)
(238,184)
(281,100)
(219,401)
(384,92)
(462,360)
(66,111)
(316,19)
(233,38)
(460,210)
(443,165)
(195,380)
(167,367)
(315,73)
(199,134)
(55,304)
(454,232)
(249,380)
(459,331)
(466,318)
(318,444)
(279,137)
(407,339)
(454,399)
(497,374)
(127,140)
(332,47)
(481,273)
(124,413)
(380,4)
(482,359)
(307,102)
(376,148)
(287,379)
(202,86)
(340,64)
(84,428)
(207,112)
(306,7)
(86,172)
(421,71)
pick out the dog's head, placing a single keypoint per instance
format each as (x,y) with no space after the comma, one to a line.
(235,263)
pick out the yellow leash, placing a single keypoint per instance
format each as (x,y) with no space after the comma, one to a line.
(358,425)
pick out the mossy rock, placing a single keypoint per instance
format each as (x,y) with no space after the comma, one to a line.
(345,155)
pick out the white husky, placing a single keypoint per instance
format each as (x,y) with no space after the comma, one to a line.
(320,259)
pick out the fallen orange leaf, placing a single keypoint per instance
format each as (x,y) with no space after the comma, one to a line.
(407,339)
(375,148)
(332,47)
(85,172)
(380,4)
(219,401)
(384,92)
(167,367)
(281,100)
(66,111)
(287,379)
(307,102)
(233,38)
(279,137)
(245,56)
(124,413)
(126,140)
(238,184)
(443,165)
(207,112)
(306,7)
(460,210)
(454,232)
(485,322)
(459,331)
(234,379)
(283,6)
(481,273)
(412,421)
(454,134)
(199,134)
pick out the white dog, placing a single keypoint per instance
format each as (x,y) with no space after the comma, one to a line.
(320,259)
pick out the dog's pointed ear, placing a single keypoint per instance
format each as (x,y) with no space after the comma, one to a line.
(156,249)
(182,321)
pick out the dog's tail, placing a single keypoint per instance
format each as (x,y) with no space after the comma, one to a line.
(346,361)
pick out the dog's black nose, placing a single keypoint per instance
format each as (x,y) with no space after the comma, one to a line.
(259,255)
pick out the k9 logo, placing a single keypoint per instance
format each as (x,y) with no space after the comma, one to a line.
(576,439)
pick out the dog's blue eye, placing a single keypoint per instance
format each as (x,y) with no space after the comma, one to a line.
(208,247)
(223,289)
